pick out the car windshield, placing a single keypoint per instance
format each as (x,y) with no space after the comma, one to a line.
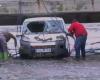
(54,26)
(36,26)
(46,26)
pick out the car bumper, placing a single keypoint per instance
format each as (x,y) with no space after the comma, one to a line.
(46,51)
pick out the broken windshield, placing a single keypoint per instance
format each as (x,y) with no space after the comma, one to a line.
(54,26)
(36,26)
(47,26)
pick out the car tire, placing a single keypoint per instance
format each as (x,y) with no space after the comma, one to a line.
(24,55)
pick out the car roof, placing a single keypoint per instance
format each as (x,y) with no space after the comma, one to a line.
(42,19)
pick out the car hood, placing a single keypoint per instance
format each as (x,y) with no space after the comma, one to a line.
(45,37)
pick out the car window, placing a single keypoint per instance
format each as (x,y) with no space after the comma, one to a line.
(46,26)
(54,26)
(36,26)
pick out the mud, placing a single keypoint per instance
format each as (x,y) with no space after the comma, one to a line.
(51,69)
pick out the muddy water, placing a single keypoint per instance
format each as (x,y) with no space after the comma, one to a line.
(49,69)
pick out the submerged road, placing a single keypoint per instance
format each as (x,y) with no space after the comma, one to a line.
(49,69)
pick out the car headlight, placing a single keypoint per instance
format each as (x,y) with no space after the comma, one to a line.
(60,38)
(25,39)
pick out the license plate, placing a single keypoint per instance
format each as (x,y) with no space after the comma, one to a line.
(43,50)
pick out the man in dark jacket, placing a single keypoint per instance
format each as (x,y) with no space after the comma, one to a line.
(4,38)
(8,36)
(80,33)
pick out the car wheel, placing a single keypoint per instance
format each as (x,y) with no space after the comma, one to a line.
(24,55)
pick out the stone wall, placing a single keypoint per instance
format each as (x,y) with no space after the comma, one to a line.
(48,6)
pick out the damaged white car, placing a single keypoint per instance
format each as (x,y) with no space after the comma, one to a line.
(43,37)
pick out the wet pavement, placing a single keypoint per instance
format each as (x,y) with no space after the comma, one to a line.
(51,69)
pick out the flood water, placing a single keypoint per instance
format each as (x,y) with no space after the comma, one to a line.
(50,69)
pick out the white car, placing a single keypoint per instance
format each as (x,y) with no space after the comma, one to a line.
(43,37)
